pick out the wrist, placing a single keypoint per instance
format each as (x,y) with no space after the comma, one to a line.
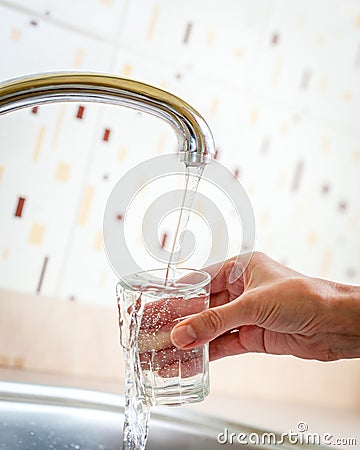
(346,323)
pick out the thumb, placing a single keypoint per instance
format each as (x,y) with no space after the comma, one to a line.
(205,326)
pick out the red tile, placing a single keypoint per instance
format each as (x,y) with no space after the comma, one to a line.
(42,274)
(164,239)
(19,207)
(106,135)
(275,39)
(80,112)
(187,33)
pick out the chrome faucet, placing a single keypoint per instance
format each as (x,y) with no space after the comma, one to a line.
(195,141)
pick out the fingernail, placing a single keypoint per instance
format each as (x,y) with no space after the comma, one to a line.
(183,335)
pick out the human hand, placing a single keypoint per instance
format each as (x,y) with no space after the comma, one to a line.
(273,309)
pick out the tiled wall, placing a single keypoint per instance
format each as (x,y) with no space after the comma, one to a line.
(278,82)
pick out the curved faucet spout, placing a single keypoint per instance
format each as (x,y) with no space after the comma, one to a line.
(195,141)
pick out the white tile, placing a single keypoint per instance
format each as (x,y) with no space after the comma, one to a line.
(46,47)
(101,18)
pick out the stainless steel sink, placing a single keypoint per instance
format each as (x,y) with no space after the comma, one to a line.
(37,417)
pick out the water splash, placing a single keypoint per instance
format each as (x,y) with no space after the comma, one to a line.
(137,410)
(192,179)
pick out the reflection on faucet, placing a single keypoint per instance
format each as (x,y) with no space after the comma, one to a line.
(195,141)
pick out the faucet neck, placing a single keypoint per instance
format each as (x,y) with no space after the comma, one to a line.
(195,141)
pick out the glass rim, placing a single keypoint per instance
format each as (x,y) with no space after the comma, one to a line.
(207,279)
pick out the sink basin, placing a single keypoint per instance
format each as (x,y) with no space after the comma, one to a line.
(37,417)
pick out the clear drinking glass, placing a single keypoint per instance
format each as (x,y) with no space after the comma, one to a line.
(170,376)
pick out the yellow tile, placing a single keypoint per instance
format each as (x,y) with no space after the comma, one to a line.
(18,363)
(153,20)
(265,218)
(347,96)
(301,23)
(5,253)
(58,126)
(320,39)
(126,70)
(122,153)
(323,84)
(312,239)
(161,144)
(326,263)
(36,234)
(1,172)
(254,117)
(38,145)
(239,53)
(15,34)
(325,145)
(354,222)
(281,181)
(78,58)
(210,38)
(356,155)
(102,280)
(214,105)
(284,128)
(98,244)
(62,172)
(86,204)
(4,361)
(357,21)
(277,71)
